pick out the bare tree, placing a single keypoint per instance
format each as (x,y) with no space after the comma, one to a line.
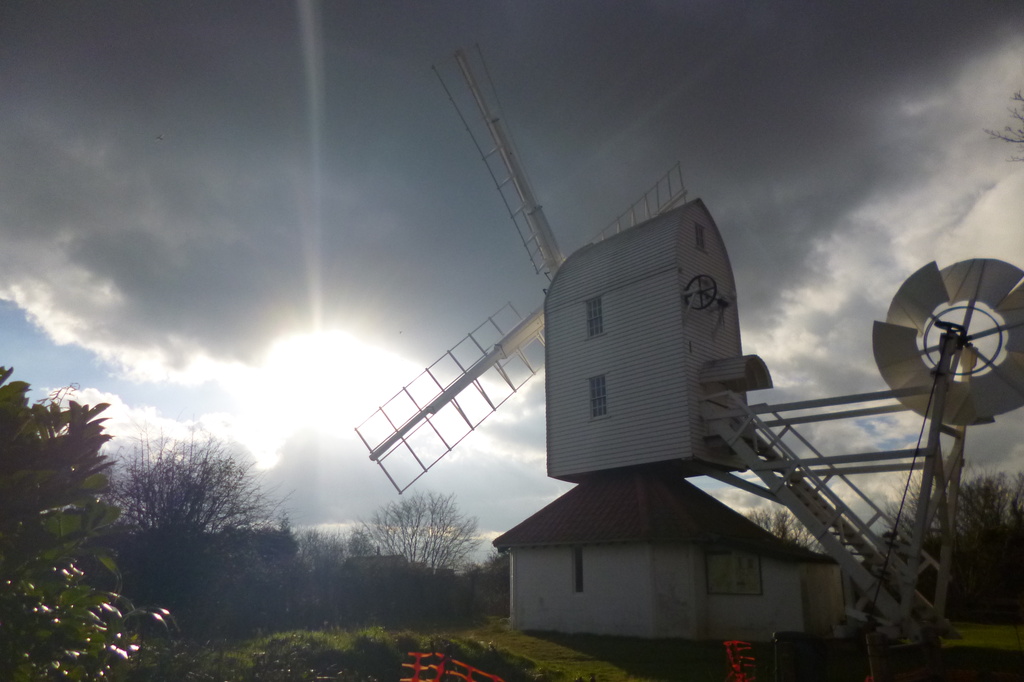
(781,523)
(359,543)
(988,540)
(194,485)
(987,501)
(320,549)
(989,544)
(425,528)
(1013,133)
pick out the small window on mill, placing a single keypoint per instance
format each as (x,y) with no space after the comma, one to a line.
(598,399)
(698,233)
(595,320)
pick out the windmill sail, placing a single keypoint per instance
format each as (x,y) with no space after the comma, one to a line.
(667,193)
(430,416)
(503,164)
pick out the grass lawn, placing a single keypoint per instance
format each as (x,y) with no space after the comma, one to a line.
(984,648)
(377,654)
(608,658)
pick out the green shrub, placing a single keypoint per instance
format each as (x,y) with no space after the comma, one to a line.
(52,623)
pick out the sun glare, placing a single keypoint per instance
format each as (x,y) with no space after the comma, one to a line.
(326,382)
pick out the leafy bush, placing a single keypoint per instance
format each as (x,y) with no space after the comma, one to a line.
(52,623)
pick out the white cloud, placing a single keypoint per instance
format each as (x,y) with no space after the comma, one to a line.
(127,423)
(961,201)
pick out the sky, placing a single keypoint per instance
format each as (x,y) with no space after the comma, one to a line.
(263,218)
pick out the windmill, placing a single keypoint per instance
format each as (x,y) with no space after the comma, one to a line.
(430,416)
(640,333)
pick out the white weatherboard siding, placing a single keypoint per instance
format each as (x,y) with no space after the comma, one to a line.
(646,389)
(650,352)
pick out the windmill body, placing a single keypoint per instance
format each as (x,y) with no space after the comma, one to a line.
(626,342)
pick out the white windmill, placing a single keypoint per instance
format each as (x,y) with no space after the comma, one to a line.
(431,415)
(644,366)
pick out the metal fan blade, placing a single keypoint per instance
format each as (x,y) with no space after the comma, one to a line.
(1013,301)
(1011,309)
(897,355)
(1015,344)
(981,279)
(961,408)
(1001,389)
(980,300)
(901,364)
(917,298)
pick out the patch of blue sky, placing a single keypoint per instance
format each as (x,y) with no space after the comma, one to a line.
(37,360)
(46,366)
(885,432)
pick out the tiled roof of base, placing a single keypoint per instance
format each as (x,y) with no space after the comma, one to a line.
(644,504)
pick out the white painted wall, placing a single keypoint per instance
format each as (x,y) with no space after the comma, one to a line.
(651,350)
(616,597)
(680,600)
(661,591)
(824,605)
(757,617)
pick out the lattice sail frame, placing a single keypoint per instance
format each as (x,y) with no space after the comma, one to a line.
(425,420)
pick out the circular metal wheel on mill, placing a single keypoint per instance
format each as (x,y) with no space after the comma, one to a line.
(700,292)
(983,299)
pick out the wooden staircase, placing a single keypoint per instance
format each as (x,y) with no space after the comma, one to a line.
(871,553)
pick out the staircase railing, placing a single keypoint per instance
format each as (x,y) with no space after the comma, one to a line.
(868,551)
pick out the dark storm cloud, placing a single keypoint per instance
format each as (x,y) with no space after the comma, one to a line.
(160,190)
(792,120)
(165,147)
(153,148)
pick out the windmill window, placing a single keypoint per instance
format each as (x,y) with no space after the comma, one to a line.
(577,569)
(698,233)
(733,573)
(598,398)
(595,319)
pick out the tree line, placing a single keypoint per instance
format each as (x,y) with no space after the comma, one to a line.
(200,536)
(178,537)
